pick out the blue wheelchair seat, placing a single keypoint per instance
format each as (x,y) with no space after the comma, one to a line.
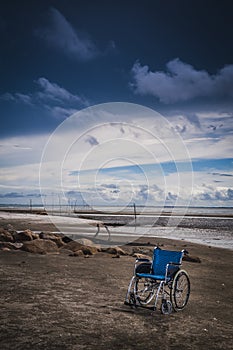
(165,264)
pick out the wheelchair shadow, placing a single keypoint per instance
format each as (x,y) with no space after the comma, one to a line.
(138,310)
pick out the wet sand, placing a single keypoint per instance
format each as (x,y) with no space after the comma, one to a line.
(56,301)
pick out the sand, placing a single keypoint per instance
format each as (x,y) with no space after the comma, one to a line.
(62,302)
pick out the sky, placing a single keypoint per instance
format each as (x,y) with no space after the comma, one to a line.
(116,102)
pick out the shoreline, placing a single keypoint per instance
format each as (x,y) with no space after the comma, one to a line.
(148,213)
(87,228)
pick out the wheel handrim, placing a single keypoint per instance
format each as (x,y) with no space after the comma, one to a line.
(144,291)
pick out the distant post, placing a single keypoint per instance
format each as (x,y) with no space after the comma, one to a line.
(30,205)
(135,212)
(59,200)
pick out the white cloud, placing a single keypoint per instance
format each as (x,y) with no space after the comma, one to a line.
(60,34)
(182,82)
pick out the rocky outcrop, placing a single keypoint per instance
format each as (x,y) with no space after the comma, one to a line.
(46,242)
(40,246)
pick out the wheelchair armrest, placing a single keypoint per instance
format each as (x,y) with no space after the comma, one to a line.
(143,260)
(174,263)
(169,267)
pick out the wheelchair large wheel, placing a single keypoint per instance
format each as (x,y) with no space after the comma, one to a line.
(180,290)
(144,290)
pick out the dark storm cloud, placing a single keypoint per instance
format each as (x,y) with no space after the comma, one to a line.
(60,34)
(17,97)
(49,91)
(182,82)
(59,102)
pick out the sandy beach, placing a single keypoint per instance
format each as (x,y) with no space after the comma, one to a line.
(58,301)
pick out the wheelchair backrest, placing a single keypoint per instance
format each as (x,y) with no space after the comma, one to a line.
(162,257)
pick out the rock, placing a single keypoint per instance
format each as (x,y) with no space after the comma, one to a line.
(114,250)
(75,246)
(23,236)
(65,250)
(88,242)
(10,228)
(40,246)
(77,253)
(117,256)
(190,258)
(34,235)
(5,236)
(10,245)
(53,237)
(140,256)
(89,250)
(85,241)
(59,242)
(66,239)
(142,250)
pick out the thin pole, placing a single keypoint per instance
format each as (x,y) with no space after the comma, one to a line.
(59,200)
(135,212)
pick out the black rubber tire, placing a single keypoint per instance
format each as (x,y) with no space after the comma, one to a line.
(180,290)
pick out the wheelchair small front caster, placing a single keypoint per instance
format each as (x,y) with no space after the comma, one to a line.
(166,307)
(131,301)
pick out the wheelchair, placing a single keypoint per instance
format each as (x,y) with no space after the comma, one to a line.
(161,280)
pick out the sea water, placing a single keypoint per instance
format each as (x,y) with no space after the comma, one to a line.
(212,226)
